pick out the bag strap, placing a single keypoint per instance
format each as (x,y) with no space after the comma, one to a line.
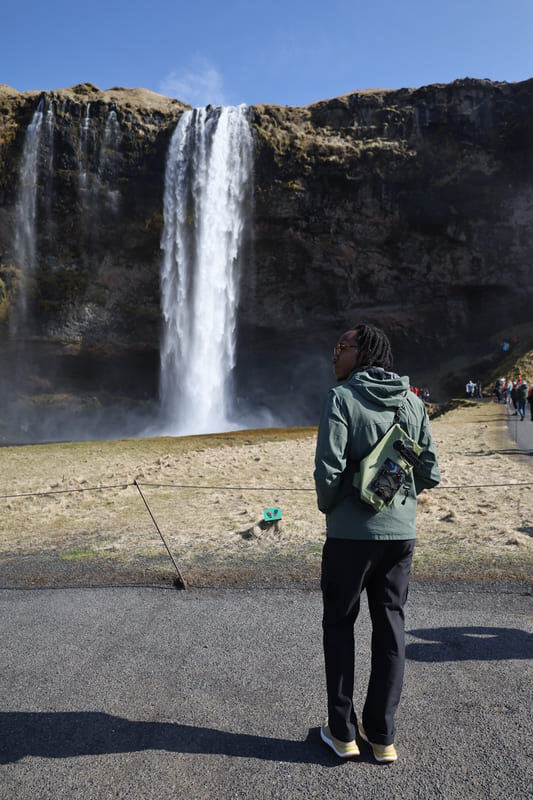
(396,421)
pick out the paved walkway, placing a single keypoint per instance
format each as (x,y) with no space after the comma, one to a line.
(154,693)
(521,431)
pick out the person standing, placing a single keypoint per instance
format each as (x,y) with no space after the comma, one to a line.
(365,549)
(521,397)
(514,398)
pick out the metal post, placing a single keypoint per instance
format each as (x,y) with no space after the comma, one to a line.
(180,576)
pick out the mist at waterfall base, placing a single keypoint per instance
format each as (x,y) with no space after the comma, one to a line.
(96,398)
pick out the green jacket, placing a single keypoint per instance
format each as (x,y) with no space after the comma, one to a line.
(356,415)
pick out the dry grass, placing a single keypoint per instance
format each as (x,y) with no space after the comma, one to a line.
(214,533)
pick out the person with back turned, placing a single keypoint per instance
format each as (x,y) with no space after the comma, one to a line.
(367,549)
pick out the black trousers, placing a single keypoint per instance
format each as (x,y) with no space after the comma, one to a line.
(383,568)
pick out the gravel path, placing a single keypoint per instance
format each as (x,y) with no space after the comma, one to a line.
(213,694)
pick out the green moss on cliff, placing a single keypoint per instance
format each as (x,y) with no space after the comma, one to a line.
(11,279)
(60,287)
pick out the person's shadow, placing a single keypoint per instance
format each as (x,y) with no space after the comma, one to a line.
(474,643)
(69,734)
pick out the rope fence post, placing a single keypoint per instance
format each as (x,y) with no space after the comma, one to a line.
(181,579)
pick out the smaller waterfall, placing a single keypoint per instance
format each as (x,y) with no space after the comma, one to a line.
(49,122)
(85,127)
(26,210)
(107,169)
(207,195)
(48,147)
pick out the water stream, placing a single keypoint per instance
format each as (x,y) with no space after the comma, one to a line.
(207,195)
(25,243)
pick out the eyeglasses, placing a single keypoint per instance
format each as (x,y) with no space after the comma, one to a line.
(337,350)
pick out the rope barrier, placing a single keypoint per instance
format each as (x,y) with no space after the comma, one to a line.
(181,579)
(238,488)
(231,488)
(66,491)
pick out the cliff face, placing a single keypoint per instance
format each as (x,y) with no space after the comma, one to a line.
(394,204)
(98,213)
(412,209)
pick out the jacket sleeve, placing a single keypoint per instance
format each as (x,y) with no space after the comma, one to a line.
(427,473)
(331,452)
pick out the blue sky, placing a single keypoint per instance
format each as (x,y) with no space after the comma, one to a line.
(283,52)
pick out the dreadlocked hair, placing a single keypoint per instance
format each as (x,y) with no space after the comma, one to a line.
(375,345)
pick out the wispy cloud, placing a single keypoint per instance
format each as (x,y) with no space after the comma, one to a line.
(198,87)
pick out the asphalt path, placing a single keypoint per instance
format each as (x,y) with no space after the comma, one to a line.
(215,694)
(521,431)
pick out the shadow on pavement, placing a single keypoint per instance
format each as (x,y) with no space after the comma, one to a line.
(71,734)
(475,643)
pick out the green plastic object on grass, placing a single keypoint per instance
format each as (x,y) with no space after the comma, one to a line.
(272,514)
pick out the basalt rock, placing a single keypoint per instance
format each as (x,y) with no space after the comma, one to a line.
(412,209)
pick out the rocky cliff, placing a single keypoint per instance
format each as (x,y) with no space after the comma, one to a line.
(412,209)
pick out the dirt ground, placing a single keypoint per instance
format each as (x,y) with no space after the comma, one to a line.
(90,525)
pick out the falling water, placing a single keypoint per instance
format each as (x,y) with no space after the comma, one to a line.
(207,194)
(107,168)
(49,122)
(26,210)
(48,164)
(84,148)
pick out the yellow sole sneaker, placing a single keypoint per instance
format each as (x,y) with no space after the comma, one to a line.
(342,749)
(384,753)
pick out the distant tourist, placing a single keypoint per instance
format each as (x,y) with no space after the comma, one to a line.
(470,388)
(521,397)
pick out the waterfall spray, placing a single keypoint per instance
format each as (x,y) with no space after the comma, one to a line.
(207,194)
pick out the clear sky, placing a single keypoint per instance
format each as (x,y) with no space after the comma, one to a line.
(275,51)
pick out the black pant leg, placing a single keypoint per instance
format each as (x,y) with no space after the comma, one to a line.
(344,565)
(387,589)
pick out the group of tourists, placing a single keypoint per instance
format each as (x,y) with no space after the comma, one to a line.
(422,393)
(473,389)
(516,394)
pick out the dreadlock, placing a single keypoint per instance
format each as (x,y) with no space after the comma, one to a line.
(375,345)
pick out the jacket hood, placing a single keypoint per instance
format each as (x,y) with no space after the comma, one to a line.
(379,387)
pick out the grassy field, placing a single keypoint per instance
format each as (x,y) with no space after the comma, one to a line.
(89,525)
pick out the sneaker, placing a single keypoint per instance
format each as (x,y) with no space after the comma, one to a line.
(342,749)
(384,753)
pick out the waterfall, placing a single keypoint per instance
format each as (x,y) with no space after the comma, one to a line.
(49,123)
(107,168)
(47,143)
(26,210)
(84,148)
(207,195)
